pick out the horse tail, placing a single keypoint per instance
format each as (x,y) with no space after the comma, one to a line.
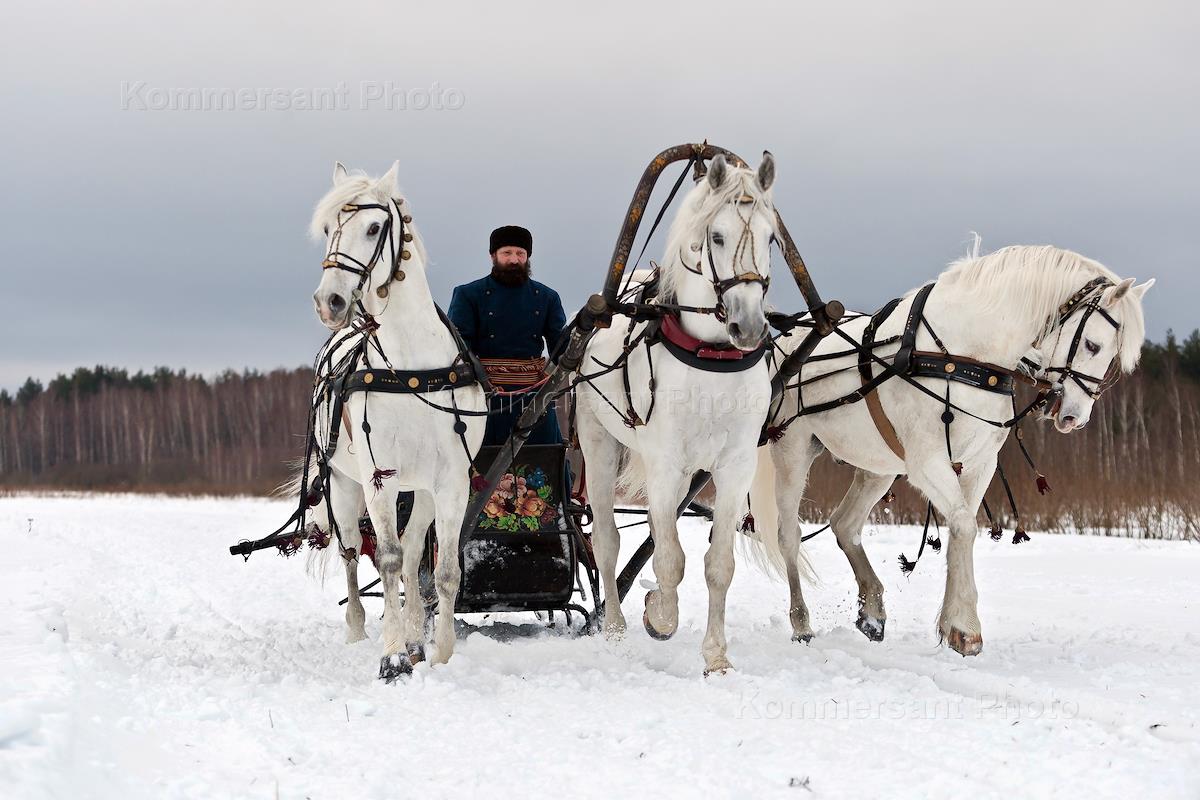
(291,487)
(631,476)
(763,546)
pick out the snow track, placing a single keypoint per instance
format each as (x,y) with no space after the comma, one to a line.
(139,659)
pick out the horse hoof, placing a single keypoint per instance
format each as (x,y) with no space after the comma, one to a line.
(965,644)
(394,667)
(416,652)
(871,627)
(355,636)
(718,667)
(650,629)
(803,638)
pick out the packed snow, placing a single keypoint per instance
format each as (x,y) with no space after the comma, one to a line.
(139,659)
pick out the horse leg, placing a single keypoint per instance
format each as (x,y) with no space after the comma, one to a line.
(450,504)
(793,458)
(412,547)
(388,557)
(958,622)
(732,483)
(847,522)
(603,452)
(346,501)
(665,488)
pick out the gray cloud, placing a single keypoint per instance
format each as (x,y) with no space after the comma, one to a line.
(178,237)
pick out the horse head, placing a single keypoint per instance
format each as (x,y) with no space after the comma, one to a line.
(364,225)
(1099,336)
(719,253)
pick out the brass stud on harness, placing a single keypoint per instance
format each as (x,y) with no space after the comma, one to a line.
(405,255)
(407,218)
(950,367)
(408,237)
(993,380)
(381,292)
(453,376)
(413,383)
(399,275)
(370,376)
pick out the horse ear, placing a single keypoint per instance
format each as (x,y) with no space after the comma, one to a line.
(1140,291)
(390,180)
(1114,293)
(339,173)
(766,171)
(717,171)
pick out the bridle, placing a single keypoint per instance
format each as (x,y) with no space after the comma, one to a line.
(336,259)
(722,285)
(1086,299)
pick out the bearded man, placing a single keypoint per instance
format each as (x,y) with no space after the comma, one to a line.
(506,318)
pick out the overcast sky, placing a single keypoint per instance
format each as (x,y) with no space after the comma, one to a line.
(136,235)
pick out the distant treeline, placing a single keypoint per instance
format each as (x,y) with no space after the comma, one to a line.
(1136,467)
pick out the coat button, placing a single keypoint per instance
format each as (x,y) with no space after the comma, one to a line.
(491,336)
(537,313)
(490,313)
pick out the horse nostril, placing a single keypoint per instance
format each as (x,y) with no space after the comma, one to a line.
(1068,420)
(337,303)
(735,330)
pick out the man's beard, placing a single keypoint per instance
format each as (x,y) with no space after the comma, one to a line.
(511,274)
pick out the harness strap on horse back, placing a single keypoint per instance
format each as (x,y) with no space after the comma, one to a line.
(869,382)
(409,381)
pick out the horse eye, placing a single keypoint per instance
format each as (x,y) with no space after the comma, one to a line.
(374,229)
(326,230)
(718,239)
(1091,346)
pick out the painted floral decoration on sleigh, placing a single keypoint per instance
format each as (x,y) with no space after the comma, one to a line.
(523,500)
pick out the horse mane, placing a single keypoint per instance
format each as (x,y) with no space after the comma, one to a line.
(357,186)
(1034,280)
(699,208)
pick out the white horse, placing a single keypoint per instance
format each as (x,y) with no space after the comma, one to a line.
(718,253)
(375,257)
(1013,304)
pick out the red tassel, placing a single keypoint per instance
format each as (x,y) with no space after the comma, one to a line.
(380,474)
(748,524)
(289,547)
(313,498)
(1020,536)
(957,465)
(1043,484)
(318,539)
(775,432)
(906,566)
(995,532)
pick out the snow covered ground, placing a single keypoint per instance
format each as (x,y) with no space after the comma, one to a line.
(139,659)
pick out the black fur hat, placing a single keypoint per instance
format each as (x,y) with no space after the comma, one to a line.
(511,236)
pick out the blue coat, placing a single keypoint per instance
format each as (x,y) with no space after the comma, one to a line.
(499,321)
